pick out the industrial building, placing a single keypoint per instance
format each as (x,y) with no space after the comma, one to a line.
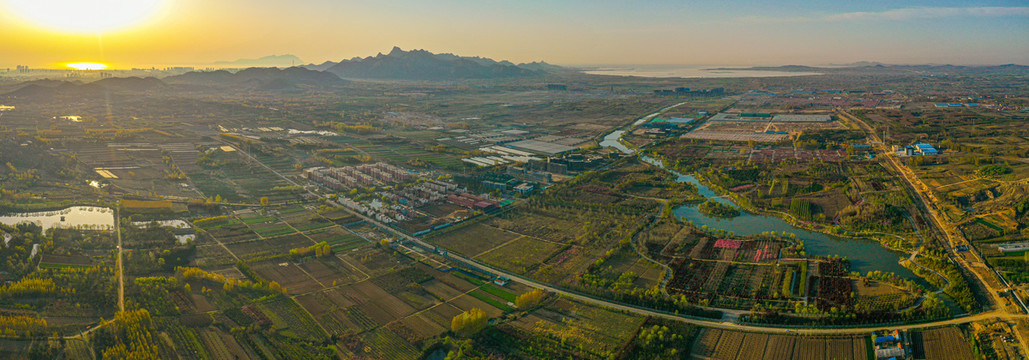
(925,149)
(1013,247)
(918,149)
(524,188)
(541,147)
(672,123)
(688,91)
(566,164)
(891,345)
(768,117)
(530,175)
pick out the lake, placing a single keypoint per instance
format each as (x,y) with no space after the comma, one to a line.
(79,217)
(688,71)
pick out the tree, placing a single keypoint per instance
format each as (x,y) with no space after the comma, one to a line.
(274,286)
(264,201)
(469,322)
(800,208)
(529,299)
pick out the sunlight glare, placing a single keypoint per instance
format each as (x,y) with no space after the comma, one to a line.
(87,66)
(80,16)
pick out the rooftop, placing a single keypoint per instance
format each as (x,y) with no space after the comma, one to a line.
(541,147)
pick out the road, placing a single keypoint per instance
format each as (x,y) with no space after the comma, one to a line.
(121,281)
(948,229)
(658,314)
(121,268)
(950,232)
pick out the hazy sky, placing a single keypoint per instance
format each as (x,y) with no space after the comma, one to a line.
(767,32)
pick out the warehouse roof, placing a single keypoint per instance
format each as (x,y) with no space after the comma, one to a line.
(541,147)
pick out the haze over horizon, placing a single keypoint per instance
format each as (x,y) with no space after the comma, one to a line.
(193,32)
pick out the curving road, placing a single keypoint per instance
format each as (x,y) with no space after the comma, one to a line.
(697,321)
(945,227)
(772,329)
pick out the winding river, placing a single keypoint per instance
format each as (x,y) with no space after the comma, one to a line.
(864,255)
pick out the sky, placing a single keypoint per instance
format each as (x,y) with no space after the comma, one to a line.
(569,32)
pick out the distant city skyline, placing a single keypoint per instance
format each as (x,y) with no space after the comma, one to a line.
(565,32)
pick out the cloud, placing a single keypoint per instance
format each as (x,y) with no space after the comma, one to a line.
(897,15)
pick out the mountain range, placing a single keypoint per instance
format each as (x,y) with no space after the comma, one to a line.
(273,79)
(264,78)
(424,65)
(872,67)
(44,89)
(286,60)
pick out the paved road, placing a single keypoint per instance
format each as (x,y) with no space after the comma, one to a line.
(654,313)
(949,230)
(706,323)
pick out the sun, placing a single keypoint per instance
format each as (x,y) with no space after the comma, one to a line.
(85,16)
(87,66)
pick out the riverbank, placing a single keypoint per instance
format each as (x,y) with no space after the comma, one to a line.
(865,254)
(826,229)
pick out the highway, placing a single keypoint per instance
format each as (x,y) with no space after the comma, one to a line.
(771,329)
(945,227)
(950,231)
(691,320)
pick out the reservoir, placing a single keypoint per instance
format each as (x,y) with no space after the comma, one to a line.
(78,217)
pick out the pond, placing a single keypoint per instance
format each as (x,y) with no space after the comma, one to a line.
(78,217)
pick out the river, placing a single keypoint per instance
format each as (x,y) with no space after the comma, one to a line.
(611,140)
(864,255)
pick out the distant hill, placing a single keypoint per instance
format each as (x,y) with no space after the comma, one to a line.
(42,89)
(544,67)
(790,68)
(130,83)
(862,63)
(34,90)
(264,78)
(320,67)
(424,65)
(869,67)
(267,61)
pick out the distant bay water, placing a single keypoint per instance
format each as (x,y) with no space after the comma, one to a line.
(686,71)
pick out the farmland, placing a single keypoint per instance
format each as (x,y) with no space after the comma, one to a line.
(271,263)
(945,343)
(723,344)
(976,181)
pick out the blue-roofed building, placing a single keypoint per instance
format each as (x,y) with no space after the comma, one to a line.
(681,120)
(891,344)
(669,124)
(925,149)
(884,339)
